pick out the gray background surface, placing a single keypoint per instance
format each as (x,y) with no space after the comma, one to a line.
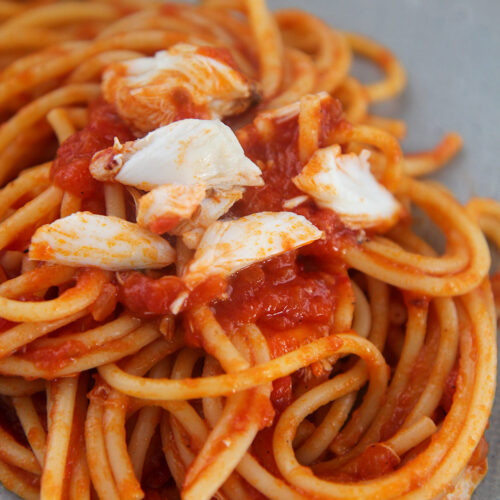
(451,51)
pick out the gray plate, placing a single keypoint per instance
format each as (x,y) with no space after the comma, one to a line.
(451,50)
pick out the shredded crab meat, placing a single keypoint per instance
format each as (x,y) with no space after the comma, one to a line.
(343,183)
(164,207)
(228,246)
(182,82)
(211,209)
(185,152)
(87,239)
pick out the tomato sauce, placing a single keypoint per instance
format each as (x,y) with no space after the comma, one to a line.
(281,395)
(277,293)
(155,474)
(221,54)
(449,389)
(143,294)
(284,292)
(278,158)
(182,101)
(55,358)
(10,422)
(262,449)
(5,324)
(70,169)
(377,460)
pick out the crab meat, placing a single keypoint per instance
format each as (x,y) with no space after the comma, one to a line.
(228,246)
(216,205)
(184,82)
(343,183)
(186,152)
(213,207)
(192,237)
(164,207)
(87,239)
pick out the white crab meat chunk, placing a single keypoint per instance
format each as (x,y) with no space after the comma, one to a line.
(192,237)
(343,183)
(164,207)
(212,208)
(216,205)
(87,239)
(186,152)
(186,81)
(228,246)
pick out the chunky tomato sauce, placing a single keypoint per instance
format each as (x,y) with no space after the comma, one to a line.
(142,294)
(70,169)
(278,294)
(286,291)
(278,158)
(289,297)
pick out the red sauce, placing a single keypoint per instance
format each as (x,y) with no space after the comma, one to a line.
(278,158)
(377,460)
(221,54)
(55,358)
(399,413)
(164,223)
(105,304)
(262,449)
(10,422)
(155,474)
(337,235)
(480,453)
(70,170)
(5,324)
(182,101)
(142,294)
(278,294)
(282,342)
(212,288)
(449,390)
(281,395)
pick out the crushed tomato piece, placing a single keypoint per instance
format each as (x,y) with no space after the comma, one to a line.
(70,169)
(278,294)
(144,295)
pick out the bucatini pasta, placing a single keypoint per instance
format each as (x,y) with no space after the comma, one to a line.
(209,282)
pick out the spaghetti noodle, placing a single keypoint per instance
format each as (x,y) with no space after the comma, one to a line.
(343,358)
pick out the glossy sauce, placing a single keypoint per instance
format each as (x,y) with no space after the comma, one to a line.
(277,294)
(143,294)
(288,291)
(70,170)
(278,158)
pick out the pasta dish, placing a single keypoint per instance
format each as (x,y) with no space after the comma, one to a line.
(210,281)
